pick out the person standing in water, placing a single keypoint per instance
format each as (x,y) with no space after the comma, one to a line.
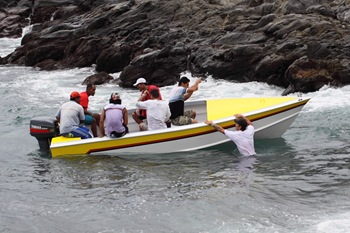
(243,137)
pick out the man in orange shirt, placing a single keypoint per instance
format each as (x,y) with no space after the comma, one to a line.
(90,118)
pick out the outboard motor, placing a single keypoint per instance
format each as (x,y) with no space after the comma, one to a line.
(44,128)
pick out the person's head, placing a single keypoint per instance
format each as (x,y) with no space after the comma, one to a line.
(141,84)
(154,94)
(75,96)
(184,81)
(90,89)
(115,98)
(241,124)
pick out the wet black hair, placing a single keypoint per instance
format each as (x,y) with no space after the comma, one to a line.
(241,122)
(117,101)
(183,79)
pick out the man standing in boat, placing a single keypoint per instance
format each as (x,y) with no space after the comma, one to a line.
(243,137)
(177,99)
(90,118)
(140,114)
(70,116)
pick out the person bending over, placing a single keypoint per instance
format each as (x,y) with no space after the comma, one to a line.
(115,115)
(243,137)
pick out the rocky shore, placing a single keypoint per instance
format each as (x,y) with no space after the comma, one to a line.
(300,45)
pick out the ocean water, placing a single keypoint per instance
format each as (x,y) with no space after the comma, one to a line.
(297,183)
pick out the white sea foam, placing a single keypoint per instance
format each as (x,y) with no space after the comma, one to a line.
(330,97)
(336,224)
(8,45)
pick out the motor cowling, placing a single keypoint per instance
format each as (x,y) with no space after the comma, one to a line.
(44,128)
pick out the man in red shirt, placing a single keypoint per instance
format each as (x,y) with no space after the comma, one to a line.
(139,115)
(90,118)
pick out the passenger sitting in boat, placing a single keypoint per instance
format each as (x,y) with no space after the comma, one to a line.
(90,118)
(177,99)
(243,137)
(158,112)
(70,115)
(139,115)
(116,117)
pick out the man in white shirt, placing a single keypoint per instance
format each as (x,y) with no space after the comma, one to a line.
(158,112)
(140,115)
(243,137)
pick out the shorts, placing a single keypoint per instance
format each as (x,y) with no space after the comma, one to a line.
(81,132)
(88,119)
(115,134)
(183,120)
(139,112)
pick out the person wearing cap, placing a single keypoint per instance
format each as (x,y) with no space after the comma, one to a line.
(158,112)
(70,116)
(243,137)
(140,114)
(177,98)
(115,115)
(90,118)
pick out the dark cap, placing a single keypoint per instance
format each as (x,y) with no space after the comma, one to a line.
(242,122)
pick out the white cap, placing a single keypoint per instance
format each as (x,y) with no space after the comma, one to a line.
(140,80)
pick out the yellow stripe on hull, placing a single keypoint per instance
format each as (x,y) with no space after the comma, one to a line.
(103,144)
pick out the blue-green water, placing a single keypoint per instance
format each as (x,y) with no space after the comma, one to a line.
(298,183)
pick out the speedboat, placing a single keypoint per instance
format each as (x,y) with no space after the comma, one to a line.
(271,117)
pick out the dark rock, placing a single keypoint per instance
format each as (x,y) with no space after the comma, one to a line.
(98,79)
(300,45)
(7,3)
(114,60)
(158,67)
(306,75)
(49,64)
(317,51)
(64,13)
(52,51)
(13,20)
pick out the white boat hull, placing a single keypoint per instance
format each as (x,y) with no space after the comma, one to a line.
(270,121)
